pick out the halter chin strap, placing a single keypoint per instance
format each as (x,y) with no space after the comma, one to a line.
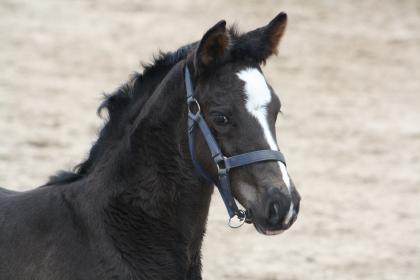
(223,164)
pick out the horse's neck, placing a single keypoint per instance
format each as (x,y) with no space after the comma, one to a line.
(156,189)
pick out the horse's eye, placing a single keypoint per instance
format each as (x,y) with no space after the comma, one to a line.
(220,119)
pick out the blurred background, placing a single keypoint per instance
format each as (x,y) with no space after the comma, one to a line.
(348,75)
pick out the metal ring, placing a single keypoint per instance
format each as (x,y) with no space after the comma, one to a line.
(241,217)
(193,100)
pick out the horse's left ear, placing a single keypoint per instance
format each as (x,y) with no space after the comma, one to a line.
(212,47)
(263,42)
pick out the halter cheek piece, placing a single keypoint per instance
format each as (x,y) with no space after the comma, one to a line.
(223,164)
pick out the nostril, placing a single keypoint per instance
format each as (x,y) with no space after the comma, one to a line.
(274,214)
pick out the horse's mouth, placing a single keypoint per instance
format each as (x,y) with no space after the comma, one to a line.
(267,230)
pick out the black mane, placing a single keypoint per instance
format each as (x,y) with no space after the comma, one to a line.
(118,103)
(137,91)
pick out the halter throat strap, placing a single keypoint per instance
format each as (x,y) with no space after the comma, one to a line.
(223,163)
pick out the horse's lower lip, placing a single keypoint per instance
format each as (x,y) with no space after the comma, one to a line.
(267,231)
(273,232)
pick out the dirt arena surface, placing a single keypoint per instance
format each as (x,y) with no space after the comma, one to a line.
(348,75)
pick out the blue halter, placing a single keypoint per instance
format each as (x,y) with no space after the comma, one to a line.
(223,164)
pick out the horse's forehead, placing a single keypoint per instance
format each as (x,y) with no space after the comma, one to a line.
(257,92)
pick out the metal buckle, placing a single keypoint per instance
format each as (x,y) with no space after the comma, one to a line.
(239,220)
(222,169)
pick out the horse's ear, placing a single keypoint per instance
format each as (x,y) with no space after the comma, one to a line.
(261,43)
(212,47)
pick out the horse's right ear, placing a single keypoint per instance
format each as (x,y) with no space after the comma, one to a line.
(213,47)
(262,42)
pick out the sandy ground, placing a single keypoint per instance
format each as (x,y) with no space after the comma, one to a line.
(348,75)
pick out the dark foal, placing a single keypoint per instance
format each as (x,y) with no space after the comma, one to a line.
(137,207)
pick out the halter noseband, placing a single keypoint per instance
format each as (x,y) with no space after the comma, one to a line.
(223,164)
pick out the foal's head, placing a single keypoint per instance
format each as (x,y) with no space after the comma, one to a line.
(241,109)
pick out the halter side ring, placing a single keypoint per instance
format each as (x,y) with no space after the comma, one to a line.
(238,219)
(193,106)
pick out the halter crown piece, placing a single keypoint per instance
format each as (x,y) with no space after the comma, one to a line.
(223,164)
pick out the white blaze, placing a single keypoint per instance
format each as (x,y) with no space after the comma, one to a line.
(258,96)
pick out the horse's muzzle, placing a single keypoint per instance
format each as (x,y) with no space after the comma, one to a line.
(279,213)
